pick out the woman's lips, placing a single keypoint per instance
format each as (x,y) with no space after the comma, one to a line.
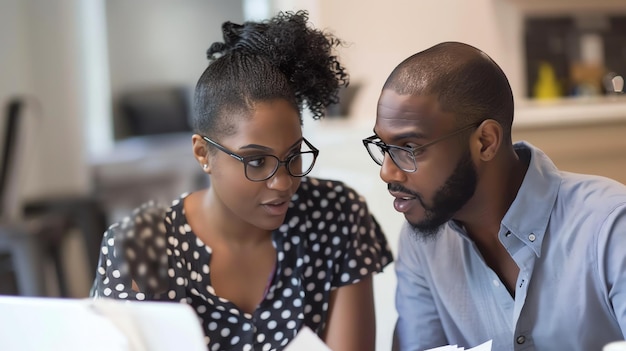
(276,208)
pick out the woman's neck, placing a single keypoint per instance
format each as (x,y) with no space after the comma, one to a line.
(211,222)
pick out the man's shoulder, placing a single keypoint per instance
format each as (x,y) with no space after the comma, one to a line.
(593,190)
(576,183)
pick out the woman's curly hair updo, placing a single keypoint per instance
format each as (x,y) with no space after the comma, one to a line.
(280,58)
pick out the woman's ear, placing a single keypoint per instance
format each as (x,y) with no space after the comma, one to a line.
(490,137)
(201,152)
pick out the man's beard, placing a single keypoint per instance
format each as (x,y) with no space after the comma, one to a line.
(449,199)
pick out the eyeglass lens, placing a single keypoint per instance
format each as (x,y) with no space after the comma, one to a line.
(402,158)
(264,167)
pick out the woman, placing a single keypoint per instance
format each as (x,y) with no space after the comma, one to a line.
(264,250)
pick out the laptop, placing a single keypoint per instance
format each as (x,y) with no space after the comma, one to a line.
(41,323)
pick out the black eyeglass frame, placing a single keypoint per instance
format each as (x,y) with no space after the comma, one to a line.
(245,159)
(410,150)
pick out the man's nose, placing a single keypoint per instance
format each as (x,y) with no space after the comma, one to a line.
(390,172)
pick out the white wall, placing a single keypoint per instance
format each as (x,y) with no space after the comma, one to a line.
(380,37)
(40,59)
(13,77)
(153,42)
(161,43)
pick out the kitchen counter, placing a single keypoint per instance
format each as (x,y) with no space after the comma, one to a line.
(569,112)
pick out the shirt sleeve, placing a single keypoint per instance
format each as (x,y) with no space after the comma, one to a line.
(418,326)
(366,249)
(133,250)
(612,262)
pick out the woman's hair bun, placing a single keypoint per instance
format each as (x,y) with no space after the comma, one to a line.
(302,53)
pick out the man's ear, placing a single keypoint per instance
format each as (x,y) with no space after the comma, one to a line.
(490,136)
(201,152)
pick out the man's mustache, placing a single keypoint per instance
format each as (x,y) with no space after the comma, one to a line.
(399,188)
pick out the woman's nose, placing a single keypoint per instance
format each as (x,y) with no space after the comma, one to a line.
(281,180)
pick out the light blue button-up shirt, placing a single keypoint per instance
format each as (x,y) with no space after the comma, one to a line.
(567,234)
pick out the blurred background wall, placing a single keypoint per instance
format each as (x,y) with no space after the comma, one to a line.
(40,58)
(93,71)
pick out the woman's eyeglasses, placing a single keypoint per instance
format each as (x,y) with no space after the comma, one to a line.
(258,168)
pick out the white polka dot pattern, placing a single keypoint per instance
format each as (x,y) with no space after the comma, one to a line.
(329,239)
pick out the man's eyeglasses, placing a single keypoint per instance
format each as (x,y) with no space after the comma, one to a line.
(404,157)
(262,167)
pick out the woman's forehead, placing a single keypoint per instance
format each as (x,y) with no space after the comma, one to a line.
(273,124)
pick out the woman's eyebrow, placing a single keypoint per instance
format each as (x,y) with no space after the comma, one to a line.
(267,149)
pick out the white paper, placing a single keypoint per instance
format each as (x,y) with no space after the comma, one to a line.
(307,340)
(486,346)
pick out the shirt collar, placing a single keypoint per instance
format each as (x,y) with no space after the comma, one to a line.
(528,216)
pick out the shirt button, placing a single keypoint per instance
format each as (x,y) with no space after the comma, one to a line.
(496,282)
(520,339)
(532,237)
(507,233)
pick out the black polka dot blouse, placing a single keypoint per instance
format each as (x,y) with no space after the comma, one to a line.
(329,239)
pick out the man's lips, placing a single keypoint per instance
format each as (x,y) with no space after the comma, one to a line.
(402,195)
(403,202)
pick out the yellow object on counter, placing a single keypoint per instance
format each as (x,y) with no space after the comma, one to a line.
(547,86)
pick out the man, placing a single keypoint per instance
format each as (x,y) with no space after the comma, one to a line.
(499,244)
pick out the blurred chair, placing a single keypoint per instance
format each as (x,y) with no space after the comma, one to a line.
(20,249)
(153,110)
(32,234)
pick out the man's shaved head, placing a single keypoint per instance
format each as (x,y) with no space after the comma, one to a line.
(466,81)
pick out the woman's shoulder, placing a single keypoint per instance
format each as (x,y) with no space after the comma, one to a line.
(137,243)
(332,202)
(149,213)
(327,188)
(335,223)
